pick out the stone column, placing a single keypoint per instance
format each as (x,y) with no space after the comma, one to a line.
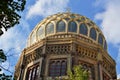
(99,62)
(96,71)
(101,71)
(22,66)
(43,65)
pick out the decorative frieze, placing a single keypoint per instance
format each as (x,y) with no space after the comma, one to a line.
(58,49)
(33,56)
(108,66)
(86,52)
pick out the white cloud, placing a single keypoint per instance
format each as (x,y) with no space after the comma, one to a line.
(111,21)
(118,76)
(46,7)
(110,18)
(8,68)
(15,37)
(14,40)
(1,72)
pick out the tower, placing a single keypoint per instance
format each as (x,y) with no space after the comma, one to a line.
(61,41)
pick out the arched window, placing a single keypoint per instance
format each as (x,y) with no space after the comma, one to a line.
(100,39)
(49,28)
(63,68)
(41,33)
(105,45)
(93,33)
(72,27)
(57,67)
(83,29)
(60,26)
(32,72)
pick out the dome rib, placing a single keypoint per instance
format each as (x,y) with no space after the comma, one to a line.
(76,19)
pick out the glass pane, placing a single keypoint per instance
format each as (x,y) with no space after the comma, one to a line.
(83,29)
(60,26)
(63,68)
(41,33)
(50,28)
(37,72)
(100,39)
(72,27)
(52,69)
(91,69)
(33,38)
(105,45)
(33,74)
(57,69)
(29,78)
(93,33)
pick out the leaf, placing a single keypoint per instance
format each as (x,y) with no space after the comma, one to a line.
(2,56)
(78,73)
(9,16)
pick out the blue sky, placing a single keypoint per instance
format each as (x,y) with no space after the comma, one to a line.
(105,13)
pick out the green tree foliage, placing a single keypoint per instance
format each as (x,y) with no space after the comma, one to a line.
(8,13)
(78,73)
(9,17)
(2,56)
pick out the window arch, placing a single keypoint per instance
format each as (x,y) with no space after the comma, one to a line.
(93,33)
(83,29)
(100,39)
(40,32)
(32,72)
(61,26)
(72,26)
(49,28)
(63,68)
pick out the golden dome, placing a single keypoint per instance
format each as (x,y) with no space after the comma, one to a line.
(67,23)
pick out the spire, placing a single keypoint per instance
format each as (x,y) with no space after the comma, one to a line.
(68,10)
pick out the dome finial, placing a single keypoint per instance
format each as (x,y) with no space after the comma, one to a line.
(68,10)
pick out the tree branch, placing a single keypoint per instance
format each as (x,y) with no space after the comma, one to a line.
(6,69)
